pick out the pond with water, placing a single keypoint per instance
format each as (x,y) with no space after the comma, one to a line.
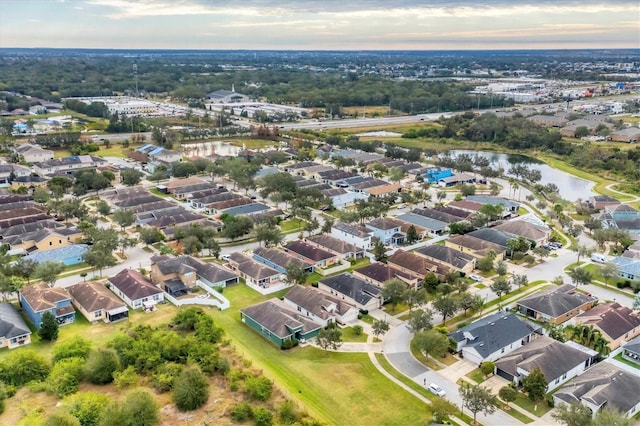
(570,187)
(204,149)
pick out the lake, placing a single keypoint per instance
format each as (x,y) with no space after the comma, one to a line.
(570,187)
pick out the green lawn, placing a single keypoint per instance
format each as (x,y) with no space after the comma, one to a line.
(480,285)
(310,375)
(349,335)
(291,225)
(397,309)
(626,361)
(518,415)
(360,263)
(476,375)
(538,409)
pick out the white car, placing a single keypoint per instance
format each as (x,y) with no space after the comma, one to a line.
(475,277)
(225,257)
(435,389)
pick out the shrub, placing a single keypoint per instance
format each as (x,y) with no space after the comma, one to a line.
(61,418)
(258,388)
(77,347)
(87,406)
(22,367)
(288,412)
(357,329)
(518,255)
(262,417)
(137,408)
(162,380)
(241,412)
(190,389)
(101,365)
(65,376)
(125,378)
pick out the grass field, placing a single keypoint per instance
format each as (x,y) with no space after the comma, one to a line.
(476,375)
(310,375)
(349,335)
(518,415)
(537,408)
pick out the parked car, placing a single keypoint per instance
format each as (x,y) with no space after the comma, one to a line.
(225,257)
(435,389)
(476,277)
(402,206)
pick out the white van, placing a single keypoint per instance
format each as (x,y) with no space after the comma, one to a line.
(598,258)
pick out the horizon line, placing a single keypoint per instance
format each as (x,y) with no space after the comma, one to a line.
(322,50)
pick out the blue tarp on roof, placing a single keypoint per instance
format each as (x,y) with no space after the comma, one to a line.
(144,147)
(158,150)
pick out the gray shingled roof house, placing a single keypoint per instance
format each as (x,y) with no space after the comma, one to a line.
(603,385)
(353,290)
(558,362)
(555,305)
(449,257)
(14,332)
(321,306)
(631,350)
(493,336)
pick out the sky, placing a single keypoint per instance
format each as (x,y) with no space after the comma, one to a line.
(321,25)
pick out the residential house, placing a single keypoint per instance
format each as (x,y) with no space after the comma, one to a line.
(492,235)
(353,290)
(549,120)
(30,182)
(386,231)
(629,134)
(493,336)
(425,226)
(279,323)
(555,305)
(320,306)
(415,265)
(434,174)
(14,332)
(36,299)
(508,205)
(631,350)
(475,246)
(383,190)
(69,255)
(471,207)
(94,300)
(529,231)
(559,362)
(336,246)
(8,171)
(176,275)
(254,272)
(379,273)
(601,201)
(137,291)
(616,323)
(67,165)
(603,385)
(621,216)
(456,179)
(627,267)
(33,153)
(437,215)
(448,257)
(280,260)
(312,254)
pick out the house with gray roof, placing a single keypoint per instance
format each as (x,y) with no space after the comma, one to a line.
(279,323)
(631,350)
(304,251)
(493,336)
(529,231)
(448,257)
(555,305)
(354,234)
(178,274)
(437,215)
(336,246)
(280,260)
(379,273)
(429,227)
(509,205)
(492,235)
(321,306)
(354,290)
(475,246)
(558,361)
(14,332)
(386,231)
(252,271)
(627,267)
(603,385)
(137,291)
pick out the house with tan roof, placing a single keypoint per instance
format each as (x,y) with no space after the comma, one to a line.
(336,246)
(448,257)
(309,253)
(416,266)
(379,273)
(529,231)
(254,272)
(616,323)
(383,190)
(36,299)
(97,303)
(475,246)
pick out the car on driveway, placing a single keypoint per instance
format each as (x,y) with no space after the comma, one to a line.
(435,389)
(475,277)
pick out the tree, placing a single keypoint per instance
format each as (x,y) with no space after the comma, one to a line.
(268,234)
(488,367)
(101,365)
(329,338)
(442,409)
(258,388)
(467,190)
(86,406)
(535,384)
(419,320)
(500,286)
(41,195)
(445,305)
(396,174)
(412,235)
(636,302)
(77,347)
(430,282)
(138,408)
(48,327)
(414,297)
(48,271)
(501,267)
(379,327)
(190,389)
(608,271)
(191,244)
(130,177)
(21,367)
(393,292)
(580,275)
(65,376)
(378,250)
(103,208)
(520,280)
(609,416)
(574,414)
(150,235)
(124,217)
(296,274)
(507,394)
(485,264)
(467,301)
(582,250)
(125,243)
(431,343)
(478,399)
